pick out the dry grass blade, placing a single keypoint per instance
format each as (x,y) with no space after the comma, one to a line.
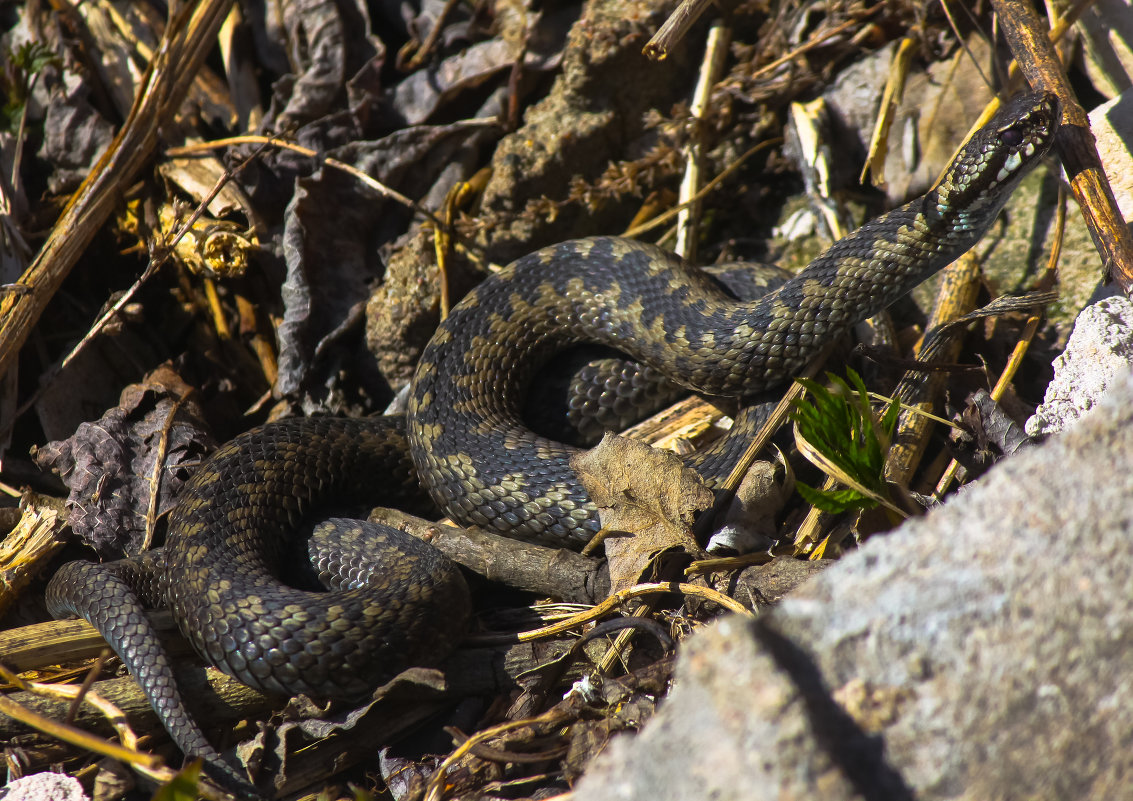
(712,65)
(894,89)
(70,734)
(1024,342)
(435,790)
(675,28)
(957,296)
(25,550)
(188,39)
(619,598)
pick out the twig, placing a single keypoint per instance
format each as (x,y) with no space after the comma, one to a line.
(1031,46)
(815,42)
(675,27)
(187,40)
(661,219)
(373,183)
(621,597)
(715,52)
(157,258)
(894,89)
(158,470)
(727,489)
(70,734)
(435,791)
(426,48)
(957,296)
(1025,338)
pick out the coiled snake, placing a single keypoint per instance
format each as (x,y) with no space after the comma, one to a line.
(404,604)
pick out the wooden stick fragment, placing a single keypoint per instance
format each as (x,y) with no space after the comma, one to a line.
(1030,44)
(187,41)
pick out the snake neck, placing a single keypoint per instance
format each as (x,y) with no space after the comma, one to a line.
(484,467)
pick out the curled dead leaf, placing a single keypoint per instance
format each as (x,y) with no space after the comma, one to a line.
(648,501)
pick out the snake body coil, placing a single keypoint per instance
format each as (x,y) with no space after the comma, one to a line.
(226,550)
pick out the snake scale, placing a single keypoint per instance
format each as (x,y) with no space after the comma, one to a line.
(399,603)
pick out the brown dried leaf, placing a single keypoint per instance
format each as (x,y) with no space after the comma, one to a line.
(647,494)
(324,299)
(110,464)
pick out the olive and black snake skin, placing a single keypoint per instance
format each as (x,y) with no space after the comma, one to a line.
(393,601)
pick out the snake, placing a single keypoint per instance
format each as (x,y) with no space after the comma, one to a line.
(373,601)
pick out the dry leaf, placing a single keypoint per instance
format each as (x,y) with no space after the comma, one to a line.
(648,496)
(111,465)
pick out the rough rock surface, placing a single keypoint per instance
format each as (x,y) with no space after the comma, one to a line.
(594,113)
(980,653)
(1099,351)
(43,787)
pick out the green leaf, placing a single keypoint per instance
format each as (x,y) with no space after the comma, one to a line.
(838,430)
(183,786)
(835,501)
(16,79)
(32,57)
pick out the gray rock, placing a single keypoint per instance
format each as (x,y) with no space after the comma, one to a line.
(43,787)
(1099,351)
(982,652)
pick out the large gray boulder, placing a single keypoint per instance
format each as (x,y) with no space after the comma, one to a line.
(982,652)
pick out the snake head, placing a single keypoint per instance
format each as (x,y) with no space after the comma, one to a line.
(1000,154)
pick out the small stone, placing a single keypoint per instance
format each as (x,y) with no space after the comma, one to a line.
(1099,350)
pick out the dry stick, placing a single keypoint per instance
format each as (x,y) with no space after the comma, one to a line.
(960,284)
(157,259)
(263,347)
(154,480)
(1031,46)
(957,297)
(1056,33)
(39,534)
(621,597)
(894,90)
(89,679)
(187,41)
(373,183)
(963,41)
(435,788)
(715,53)
(442,234)
(216,310)
(617,648)
(815,42)
(426,48)
(688,220)
(675,27)
(806,541)
(1025,338)
(489,754)
(661,219)
(70,734)
(727,489)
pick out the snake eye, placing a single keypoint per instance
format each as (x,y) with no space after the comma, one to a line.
(1010,137)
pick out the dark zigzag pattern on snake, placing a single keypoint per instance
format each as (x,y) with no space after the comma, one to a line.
(226,545)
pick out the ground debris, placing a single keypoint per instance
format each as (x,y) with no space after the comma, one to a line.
(373,163)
